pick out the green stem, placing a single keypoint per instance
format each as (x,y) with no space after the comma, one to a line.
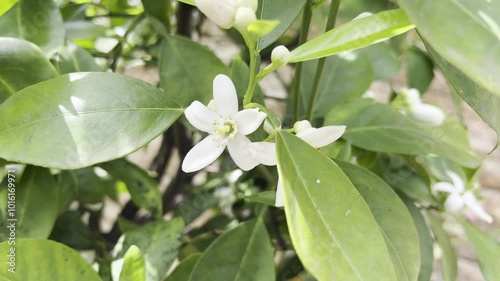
(252,82)
(304,31)
(330,24)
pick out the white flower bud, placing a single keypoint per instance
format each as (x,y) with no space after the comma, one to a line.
(221,12)
(268,127)
(280,56)
(252,4)
(428,114)
(412,96)
(243,18)
(300,126)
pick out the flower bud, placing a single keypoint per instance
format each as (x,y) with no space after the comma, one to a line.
(243,18)
(269,128)
(300,126)
(280,56)
(252,4)
(412,96)
(428,114)
(221,12)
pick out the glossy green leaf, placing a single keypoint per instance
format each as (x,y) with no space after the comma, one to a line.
(345,76)
(487,250)
(39,22)
(265,197)
(159,242)
(351,9)
(5,5)
(420,70)
(391,215)
(197,245)
(142,187)
(159,11)
(187,70)
(68,190)
(16,58)
(448,258)
(250,256)
(133,265)
(384,61)
(91,188)
(74,12)
(54,262)
(88,117)
(285,11)
(36,200)
(73,232)
(474,48)
(332,228)
(425,242)
(83,30)
(354,35)
(74,59)
(189,2)
(378,127)
(484,102)
(184,269)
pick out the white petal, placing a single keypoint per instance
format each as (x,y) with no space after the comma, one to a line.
(427,114)
(301,126)
(221,11)
(225,96)
(247,3)
(457,181)
(264,152)
(243,18)
(249,120)
(412,96)
(473,205)
(201,117)
(322,136)
(453,203)
(202,154)
(444,187)
(280,199)
(239,149)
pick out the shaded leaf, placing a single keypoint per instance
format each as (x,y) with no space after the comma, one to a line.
(487,249)
(184,269)
(74,59)
(448,258)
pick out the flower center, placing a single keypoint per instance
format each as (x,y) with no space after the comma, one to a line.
(226,128)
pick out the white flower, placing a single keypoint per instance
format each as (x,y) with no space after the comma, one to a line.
(424,113)
(223,12)
(226,127)
(458,197)
(244,17)
(280,56)
(265,152)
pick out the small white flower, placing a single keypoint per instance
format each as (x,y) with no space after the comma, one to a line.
(424,113)
(244,17)
(280,56)
(265,152)
(224,12)
(226,127)
(458,197)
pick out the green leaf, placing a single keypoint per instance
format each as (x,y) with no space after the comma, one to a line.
(36,209)
(73,12)
(74,59)
(54,262)
(133,265)
(484,102)
(88,117)
(16,58)
(189,2)
(83,30)
(250,256)
(265,197)
(420,70)
(393,218)
(354,35)
(73,232)
(487,250)
(142,187)
(5,5)
(68,190)
(378,127)
(425,242)
(184,269)
(474,48)
(91,188)
(261,28)
(159,11)
(353,67)
(285,11)
(384,61)
(159,242)
(187,70)
(332,228)
(196,245)
(448,258)
(39,22)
